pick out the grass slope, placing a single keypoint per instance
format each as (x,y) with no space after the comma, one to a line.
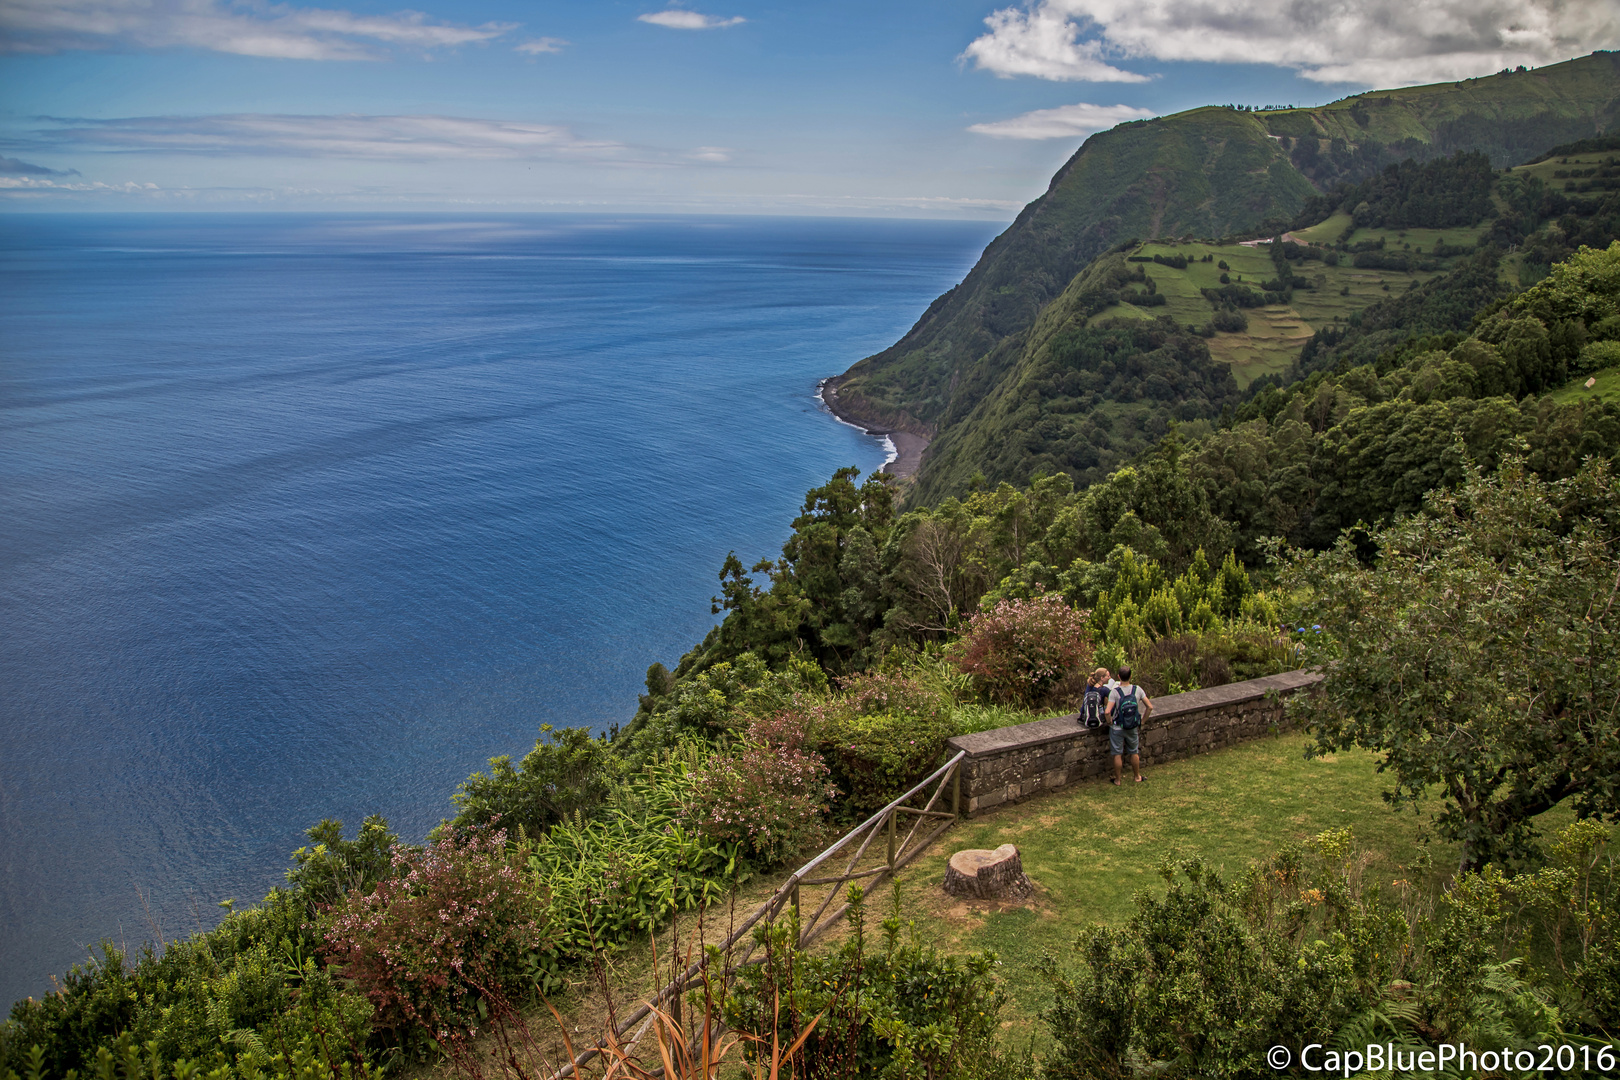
(1510,116)
(1605,387)
(1021,424)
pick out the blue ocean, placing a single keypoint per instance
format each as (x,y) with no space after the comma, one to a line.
(307,516)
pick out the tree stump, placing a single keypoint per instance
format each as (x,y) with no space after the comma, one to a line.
(988,875)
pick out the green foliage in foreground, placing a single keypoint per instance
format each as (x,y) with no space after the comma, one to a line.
(900,1011)
(121,1059)
(1480,654)
(251,985)
(1297,950)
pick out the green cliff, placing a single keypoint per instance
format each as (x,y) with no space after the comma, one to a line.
(1007,372)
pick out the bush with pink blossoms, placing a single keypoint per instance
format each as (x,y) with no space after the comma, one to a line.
(769,794)
(453,925)
(1021,651)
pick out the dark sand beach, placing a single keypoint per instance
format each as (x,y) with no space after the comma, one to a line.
(908,446)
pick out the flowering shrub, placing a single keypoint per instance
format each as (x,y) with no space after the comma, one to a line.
(1020,650)
(769,795)
(456,921)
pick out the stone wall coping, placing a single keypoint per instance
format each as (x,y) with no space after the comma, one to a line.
(1059,728)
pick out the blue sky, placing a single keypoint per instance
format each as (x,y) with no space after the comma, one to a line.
(945,108)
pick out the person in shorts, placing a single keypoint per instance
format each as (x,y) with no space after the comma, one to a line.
(1128,707)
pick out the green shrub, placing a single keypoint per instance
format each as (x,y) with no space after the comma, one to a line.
(252,981)
(1213,974)
(881,734)
(1597,356)
(905,1011)
(612,878)
(769,795)
(334,867)
(880,755)
(568,772)
(1204,980)
(309,1058)
(1093,1010)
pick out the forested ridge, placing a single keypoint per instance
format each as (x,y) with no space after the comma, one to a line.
(1216,173)
(1435,460)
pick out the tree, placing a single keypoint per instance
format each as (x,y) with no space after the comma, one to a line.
(1478,655)
(824,598)
(568,772)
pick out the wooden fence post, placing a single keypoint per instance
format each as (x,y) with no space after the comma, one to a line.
(892,815)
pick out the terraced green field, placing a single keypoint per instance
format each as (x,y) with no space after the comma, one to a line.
(1546,172)
(1277,334)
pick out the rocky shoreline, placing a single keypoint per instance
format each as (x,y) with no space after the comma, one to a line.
(908,445)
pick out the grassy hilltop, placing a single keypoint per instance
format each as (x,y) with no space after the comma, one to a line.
(1213,172)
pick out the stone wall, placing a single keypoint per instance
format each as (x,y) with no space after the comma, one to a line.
(1013,763)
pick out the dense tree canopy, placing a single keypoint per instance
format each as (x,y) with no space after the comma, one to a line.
(1479,656)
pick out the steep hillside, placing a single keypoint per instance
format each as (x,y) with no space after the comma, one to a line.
(982,357)
(1209,172)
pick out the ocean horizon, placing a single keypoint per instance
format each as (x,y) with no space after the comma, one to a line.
(308,515)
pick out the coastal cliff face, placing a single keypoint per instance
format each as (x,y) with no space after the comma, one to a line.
(1209,172)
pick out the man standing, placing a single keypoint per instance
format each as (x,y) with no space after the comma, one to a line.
(1127,708)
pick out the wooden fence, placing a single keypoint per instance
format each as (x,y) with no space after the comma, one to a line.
(803,889)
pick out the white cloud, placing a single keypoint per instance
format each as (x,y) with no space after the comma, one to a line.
(1041,42)
(398,138)
(1063,122)
(711,154)
(676,19)
(271,30)
(542,45)
(1368,42)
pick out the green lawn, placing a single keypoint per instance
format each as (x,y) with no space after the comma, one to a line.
(1607,388)
(1091,847)
(1326,232)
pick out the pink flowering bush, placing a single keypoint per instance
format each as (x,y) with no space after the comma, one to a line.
(769,795)
(453,926)
(1020,651)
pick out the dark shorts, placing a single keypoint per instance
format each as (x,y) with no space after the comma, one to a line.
(1123,741)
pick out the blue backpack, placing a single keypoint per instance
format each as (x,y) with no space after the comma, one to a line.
(1127,714)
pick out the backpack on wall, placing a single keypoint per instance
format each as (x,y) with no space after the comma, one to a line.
(1092,706)
(1127,714)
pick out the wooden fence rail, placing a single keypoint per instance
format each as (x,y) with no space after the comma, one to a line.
(800,891)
